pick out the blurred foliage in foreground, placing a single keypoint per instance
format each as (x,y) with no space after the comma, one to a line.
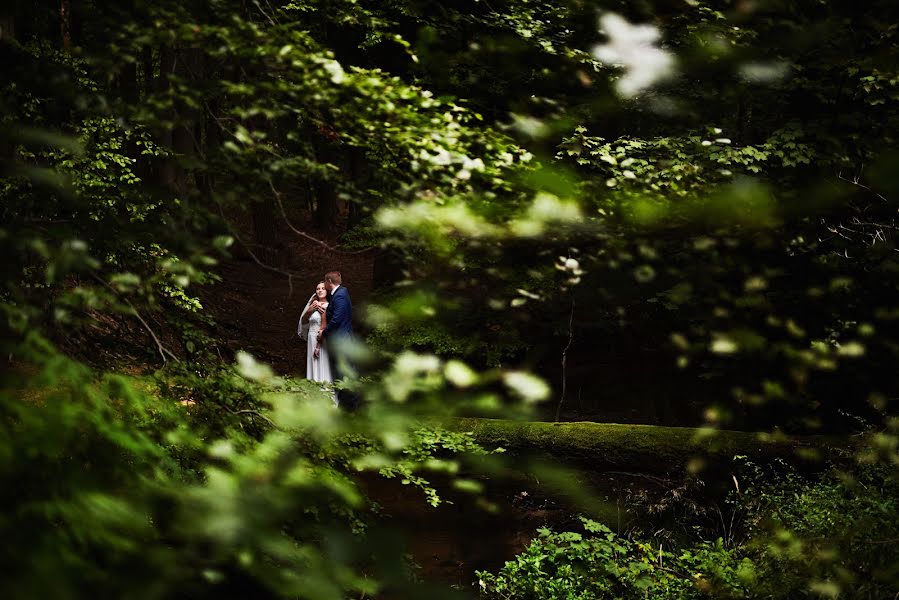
(687,207)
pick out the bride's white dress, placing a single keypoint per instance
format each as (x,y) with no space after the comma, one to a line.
(317,369)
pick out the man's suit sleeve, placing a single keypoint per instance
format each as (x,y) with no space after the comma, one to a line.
(339,316)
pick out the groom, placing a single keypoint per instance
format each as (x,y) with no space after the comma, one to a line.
(338,332)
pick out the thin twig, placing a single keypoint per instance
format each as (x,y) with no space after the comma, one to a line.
(565,361)
(162,349)
(580,406)
(855,182)
(255,413)
(857,221)
(265,14)
(653,478)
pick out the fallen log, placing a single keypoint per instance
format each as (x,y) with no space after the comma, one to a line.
(644,448)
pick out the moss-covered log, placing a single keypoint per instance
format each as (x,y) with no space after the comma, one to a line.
(644,448)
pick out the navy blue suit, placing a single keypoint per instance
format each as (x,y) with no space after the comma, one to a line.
(338,332)
(339,314)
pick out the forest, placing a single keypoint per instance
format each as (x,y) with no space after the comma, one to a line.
(625,316)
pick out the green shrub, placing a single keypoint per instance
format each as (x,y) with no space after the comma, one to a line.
(831,537)
(836,537)
(601,564)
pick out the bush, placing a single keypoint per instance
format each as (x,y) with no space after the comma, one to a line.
(833,537)
(836,537)
(601,564)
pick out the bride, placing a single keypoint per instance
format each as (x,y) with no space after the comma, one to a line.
(318,367)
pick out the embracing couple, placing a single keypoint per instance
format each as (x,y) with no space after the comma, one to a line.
(326,324)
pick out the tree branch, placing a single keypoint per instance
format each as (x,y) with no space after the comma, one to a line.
(255,413)
(855,181)
(162,349)
(290,275)
(306,235)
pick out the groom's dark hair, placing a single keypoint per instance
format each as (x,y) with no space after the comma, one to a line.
(333,277)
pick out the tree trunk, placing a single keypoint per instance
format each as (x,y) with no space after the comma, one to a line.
(210,134)
(642,448)
(128,83)
(325,205)
(210,140)
(147,67)
(7,54)
(164,84)
(264,231)
(65,22)
(326,210)
(189,67)
(387,269)
(360,172)
(7,26)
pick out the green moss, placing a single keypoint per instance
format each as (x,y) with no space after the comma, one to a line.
(645,447)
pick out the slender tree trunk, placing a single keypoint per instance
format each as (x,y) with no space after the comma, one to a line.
(210,140)
(326,211)
(7,26)
(360,172)
(164,84)
(148,68)
(166,68)
(264,229)
(740,124)
(188,66)
(262,211)
(565,361)
(7,144)
(65,22)
(128,83)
